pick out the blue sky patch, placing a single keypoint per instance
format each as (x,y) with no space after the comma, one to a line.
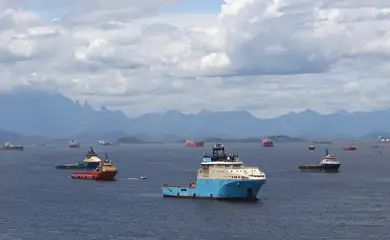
(195,6)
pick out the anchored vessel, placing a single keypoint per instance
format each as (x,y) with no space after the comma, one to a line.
(74,144)
(350,148)
(266,142)
(329,163)
(221,177)
(312,147)
(9,146)
(191,143)
(103,142)
(91,161)
(105,171)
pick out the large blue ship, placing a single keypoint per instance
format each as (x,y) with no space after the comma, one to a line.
(221,177)
(91,161)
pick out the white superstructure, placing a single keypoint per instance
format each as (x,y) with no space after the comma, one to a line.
(329,159)
(229,170)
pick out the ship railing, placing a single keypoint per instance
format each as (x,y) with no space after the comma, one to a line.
(250,167)
(179,186)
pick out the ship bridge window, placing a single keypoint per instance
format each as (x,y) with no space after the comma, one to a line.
(183,190)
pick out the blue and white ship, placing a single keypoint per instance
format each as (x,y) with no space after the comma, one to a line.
(221,177)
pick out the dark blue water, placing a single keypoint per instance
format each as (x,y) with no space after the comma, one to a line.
(40,202)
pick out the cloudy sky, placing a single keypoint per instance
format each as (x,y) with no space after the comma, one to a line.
(265,56)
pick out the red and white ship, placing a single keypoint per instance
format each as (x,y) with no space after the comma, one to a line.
(191,143)
(350,148)
(266,142)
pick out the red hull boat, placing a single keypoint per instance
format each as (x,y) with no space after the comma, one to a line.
(190,143)
(350,148)
(106,171)
(267,143)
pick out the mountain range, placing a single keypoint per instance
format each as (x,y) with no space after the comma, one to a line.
(40,114)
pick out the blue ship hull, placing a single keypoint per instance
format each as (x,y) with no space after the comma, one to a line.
(80,165)
(220,189)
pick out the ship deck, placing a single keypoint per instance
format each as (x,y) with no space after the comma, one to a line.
(177,186)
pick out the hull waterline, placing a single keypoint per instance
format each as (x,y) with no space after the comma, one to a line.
(103,176)
(320,168)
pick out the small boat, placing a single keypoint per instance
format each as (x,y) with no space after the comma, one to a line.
(105,143)
(350,148)
(143,177)
(91,161)
(312,147)
(105,171)
(266,142)
(9,146)
(191,143)
(73,144)
(329,163)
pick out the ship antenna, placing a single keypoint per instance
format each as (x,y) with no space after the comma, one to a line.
(326,151)
(90,146)
(105,156)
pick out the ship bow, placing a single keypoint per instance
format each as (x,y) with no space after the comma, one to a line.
(241,189)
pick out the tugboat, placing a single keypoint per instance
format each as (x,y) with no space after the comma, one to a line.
(9,146)
(190,143)
(312,147)
(328,164)
(266,142)
(221,177)
(91,161)
(74,144)
(105,171)
(350,148)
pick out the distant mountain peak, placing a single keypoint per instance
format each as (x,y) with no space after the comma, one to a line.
(309,111)
(203,112)
(86,105)
(342,112)
(103,108)
(174,112)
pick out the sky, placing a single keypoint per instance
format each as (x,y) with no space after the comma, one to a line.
(269,57)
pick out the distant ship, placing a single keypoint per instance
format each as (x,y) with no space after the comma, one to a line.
(350,148)
(328,164)
(221,177)
(9,146)
(105,171)
(91,161)
(74,144)
(266,142)
(312,147)
(103,142)
(191,143)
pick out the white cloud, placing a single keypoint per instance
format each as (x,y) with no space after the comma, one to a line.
(267,56)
